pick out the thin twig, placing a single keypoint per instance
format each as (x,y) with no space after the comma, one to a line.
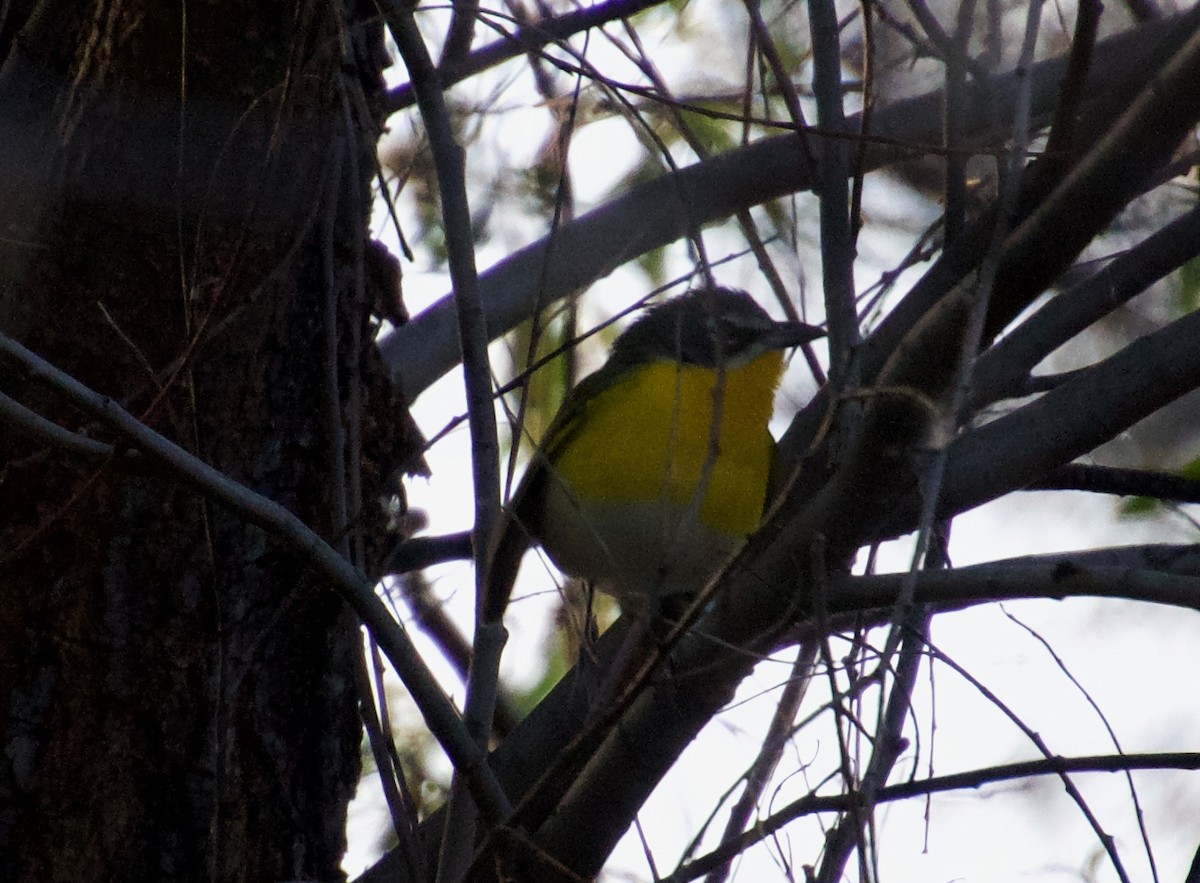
(404,823)
(956,98)
(778,735)
(1061,664)
(1035,738)
(525,39)
(484,675)
(1055,765)
(48,432)
(885,750)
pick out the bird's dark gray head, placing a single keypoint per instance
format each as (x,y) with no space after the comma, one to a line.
(709,327)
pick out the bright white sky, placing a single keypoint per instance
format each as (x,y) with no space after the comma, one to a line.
(1137,662)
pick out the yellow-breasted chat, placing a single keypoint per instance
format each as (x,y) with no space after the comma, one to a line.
(656,468)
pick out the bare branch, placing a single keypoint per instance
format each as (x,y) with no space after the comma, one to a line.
(601,240)
(1074,310)
(483,678)
(1120,482)
(776,739)
(832,188)
(443,720)
(526,39)
(974,779)
(1068,422)
(48,432)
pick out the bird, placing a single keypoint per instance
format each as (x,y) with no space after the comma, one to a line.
(656,468)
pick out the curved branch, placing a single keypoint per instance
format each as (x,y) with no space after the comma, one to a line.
(529,38)
(1047,766)
(657,213)
(1120,482)
(1175,581)
(48,432)
(1072,311)
(1068,422)
(1158,573)
(444,722)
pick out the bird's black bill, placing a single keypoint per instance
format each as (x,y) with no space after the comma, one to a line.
(785,335)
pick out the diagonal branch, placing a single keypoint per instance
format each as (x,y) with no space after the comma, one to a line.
(1120,482)
(973,779)
(528,38)
(1074,310)
(762,594)
(660,211)
(1091,408)
(1162,574)
(444,722)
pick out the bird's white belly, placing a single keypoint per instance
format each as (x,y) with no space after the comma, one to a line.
(632,549)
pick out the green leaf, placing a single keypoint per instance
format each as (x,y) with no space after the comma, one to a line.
(1139,507)
(1187,297)
(1191,469)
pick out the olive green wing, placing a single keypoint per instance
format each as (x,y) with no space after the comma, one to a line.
(520,524)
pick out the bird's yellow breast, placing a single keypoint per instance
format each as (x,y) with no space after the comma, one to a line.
(649,437)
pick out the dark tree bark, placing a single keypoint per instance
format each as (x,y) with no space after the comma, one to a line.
(178,197)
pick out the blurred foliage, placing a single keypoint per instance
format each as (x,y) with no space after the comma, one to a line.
(1187,295)
(537,400)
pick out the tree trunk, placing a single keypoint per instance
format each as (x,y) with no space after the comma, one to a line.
(180,699)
